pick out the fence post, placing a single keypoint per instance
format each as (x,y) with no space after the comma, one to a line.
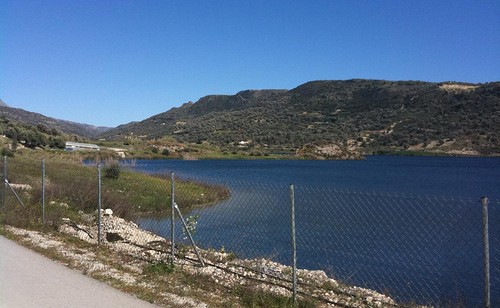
(172,220)
(43,191)
(99,205)
(4,181)
(294,245)
(486,253)
(189,235)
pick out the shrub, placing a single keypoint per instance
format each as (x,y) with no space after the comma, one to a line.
(159,268)
(6,152)
(112,169)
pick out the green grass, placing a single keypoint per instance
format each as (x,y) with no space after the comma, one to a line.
(159,268)
(251,297)
(71,187)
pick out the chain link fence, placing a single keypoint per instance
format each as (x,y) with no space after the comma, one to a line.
(417,249)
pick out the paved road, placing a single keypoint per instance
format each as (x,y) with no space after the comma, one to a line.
(28,279)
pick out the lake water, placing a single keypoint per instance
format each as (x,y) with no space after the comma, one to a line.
(407,226)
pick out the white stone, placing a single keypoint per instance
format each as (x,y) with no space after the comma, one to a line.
(21,186)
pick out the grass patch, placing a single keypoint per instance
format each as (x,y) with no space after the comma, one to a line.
(159,268)
(250,297)
(72,188)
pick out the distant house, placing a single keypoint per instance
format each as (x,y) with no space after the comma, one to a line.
(76,146)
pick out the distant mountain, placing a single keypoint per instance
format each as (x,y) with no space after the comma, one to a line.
(328,118)
(2,104)
(32,118)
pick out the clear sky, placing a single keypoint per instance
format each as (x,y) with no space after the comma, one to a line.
(107,62)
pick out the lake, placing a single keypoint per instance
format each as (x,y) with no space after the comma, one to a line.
(406,226)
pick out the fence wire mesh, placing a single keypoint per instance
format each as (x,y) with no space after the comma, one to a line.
(416,249)
(494,244)
(422,249)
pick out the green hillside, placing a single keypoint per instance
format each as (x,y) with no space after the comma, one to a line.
(33,119)
(15,134)
(337,119)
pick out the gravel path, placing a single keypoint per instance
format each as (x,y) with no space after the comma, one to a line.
(28,279)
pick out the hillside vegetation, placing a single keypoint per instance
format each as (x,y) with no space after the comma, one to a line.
(62,126)
(16,134)
(337,119)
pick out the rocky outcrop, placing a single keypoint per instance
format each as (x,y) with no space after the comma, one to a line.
(330,151)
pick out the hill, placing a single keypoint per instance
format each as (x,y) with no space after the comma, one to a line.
(338,119)
(31,118)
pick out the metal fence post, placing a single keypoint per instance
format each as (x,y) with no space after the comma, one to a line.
(189,235)
(4,181)
(486,253)
(43,190)
(99,205)
(172,220)
(294,245)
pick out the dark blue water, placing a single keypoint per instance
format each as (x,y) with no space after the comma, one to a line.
(406,226)
(442,176)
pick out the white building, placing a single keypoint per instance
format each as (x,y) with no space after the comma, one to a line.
(75,146)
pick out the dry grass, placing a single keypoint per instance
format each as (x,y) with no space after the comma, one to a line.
(456,87)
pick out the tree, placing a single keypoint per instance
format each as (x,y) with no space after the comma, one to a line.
(56,142)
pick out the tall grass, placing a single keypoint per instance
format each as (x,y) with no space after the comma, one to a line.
(71,187)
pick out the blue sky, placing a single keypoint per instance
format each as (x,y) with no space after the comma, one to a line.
(111,62)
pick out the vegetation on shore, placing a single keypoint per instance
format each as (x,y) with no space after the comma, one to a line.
(71,187)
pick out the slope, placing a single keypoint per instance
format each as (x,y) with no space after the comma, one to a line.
(361,115)
(34,119)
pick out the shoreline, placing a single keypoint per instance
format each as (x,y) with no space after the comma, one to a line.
(223,270)
(292,158)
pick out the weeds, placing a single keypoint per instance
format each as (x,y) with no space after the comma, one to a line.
(191,226)
(112,169)
(159,268)
(70,182)
(252,297)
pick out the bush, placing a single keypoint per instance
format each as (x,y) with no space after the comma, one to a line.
(112,169)
(6,152)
